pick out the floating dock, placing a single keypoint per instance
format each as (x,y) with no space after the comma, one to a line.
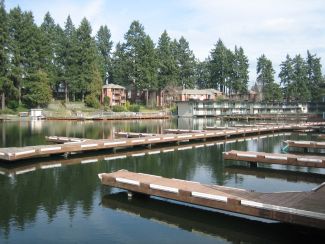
(276,158)
(19,153)
(302,208)
(306,144)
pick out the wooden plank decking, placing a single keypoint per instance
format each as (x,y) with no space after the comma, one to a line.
(18,153)
(306,144)
(276,158)
(303,208)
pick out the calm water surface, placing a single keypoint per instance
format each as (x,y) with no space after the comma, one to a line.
(59,200)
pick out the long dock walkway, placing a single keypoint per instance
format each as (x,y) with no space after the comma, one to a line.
(18,153)
(306,144)
(303,208)
(276,158)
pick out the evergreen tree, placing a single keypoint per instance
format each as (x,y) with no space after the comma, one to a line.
(202,74)
(67,59)
(185,60)
(265,79)
(95,88)
(38,90)
(104,45)
(240,71)
(315,77)
(120,66)
(47,48)
(167,66)
(87,58)
(23,48)
(220,67)
(6,86)
(286,76)
(299,86)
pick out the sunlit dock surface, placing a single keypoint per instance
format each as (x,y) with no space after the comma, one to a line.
(302,208)
(19,153)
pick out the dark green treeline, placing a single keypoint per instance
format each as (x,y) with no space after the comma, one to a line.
(38,63)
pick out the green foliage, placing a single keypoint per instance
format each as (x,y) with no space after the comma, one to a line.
(167,66)
(118,108)
(13,104)
(92,101)
(38,91)
(134,108)
(107,101)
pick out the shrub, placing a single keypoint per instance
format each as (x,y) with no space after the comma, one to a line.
(13,104)
(92,101)
(134,108)
(106,101)
(118,108)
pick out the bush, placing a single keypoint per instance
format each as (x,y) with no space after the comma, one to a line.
(13,104)
(92,101)
(106,101)
(134,108)
(118,108)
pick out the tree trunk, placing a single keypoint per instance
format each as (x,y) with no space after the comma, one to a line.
(66,93)
(3,100)
(147,97)
(19,95)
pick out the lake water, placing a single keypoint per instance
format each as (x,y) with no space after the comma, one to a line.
(58,200)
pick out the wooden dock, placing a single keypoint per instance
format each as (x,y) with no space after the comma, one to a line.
(276,158)
(19,153)
(302,208)
(306,144)
(266,173)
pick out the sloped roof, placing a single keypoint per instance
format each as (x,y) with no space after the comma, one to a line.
(199,92)
(114,86)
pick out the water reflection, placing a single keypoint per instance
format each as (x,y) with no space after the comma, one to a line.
(38,189)
(231,228)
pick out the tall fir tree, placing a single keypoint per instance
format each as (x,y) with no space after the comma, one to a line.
(265,79)
(202,74)
(286,76)
(186,63)
(315,77)
(167,66)
(47,48)
(6,85)
(104,46)
(240,71)
(23,48)
(87,57)
(299,86)
(221,60)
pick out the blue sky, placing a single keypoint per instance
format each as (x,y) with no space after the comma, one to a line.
(272,27)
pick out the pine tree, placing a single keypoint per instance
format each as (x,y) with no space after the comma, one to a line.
(185,60)
(202,74)
(104,45)
(286,76)
(299,86)
(315,77)
(38,90)
(47,52)
(67,59)
(6,86)
(167,66)
(120,66)
(23,48)
(265,79)
(240,71)
(221,60)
